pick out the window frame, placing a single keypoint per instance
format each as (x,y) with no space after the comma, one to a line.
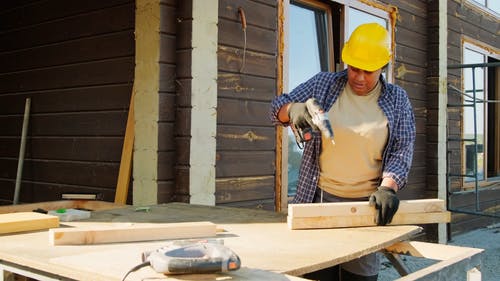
(384,14)
(485,51)
(327,8)
(335,63)
(486,8)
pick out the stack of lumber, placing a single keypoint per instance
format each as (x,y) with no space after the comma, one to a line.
(354,214)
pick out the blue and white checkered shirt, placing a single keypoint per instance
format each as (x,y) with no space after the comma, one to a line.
(394,102)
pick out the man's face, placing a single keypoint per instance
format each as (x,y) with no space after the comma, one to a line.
(362,81)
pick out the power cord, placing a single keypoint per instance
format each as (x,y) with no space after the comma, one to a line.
(135,268)
(244,28)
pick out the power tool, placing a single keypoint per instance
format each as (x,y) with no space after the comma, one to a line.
(193,257)
(319,119)
(190,257)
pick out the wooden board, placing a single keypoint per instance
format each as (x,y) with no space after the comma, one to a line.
(252,234)
(454,262)
(61,204)
(116,262)
(128,232)
(430,250)
(26,221)
(354,214)
(126,159)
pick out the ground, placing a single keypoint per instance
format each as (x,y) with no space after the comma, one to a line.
(487,238)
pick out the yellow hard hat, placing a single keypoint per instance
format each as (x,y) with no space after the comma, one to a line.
(368,47)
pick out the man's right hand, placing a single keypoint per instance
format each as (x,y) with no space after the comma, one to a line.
(299,116)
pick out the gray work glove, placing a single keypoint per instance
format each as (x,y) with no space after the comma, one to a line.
(386,204)
(300,116)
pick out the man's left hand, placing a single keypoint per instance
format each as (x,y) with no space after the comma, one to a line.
(386,204)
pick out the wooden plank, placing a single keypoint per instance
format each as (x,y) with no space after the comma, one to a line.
(366,220)
(118,44)
(354,214)
(93,205)
(86,174)
(128,232)
(68,124)
(126,159)
(243,189)
(81,26)
(362,208)
(244,163)
(238,86)
(245,137)
(455,264)
(26,221)
(116,262)
(243,112)
(429,250)
(100,98)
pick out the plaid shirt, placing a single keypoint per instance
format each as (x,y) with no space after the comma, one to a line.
(394,102)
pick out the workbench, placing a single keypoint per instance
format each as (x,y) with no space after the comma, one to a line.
(267,248)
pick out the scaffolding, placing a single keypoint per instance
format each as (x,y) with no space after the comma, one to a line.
(470,100)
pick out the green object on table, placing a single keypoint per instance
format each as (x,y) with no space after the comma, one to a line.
(61,211)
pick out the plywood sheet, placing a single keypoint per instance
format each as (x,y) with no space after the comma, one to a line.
(113,263)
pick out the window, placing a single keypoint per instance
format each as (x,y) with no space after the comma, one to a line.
(493,5)
(480,121)
(316,32)
(310,51)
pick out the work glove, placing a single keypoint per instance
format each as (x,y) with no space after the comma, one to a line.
(300,116)
(386,204)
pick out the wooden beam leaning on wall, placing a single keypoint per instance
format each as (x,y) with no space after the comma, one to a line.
(353,214)
(126,159)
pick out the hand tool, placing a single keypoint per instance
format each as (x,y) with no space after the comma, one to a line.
(319,119)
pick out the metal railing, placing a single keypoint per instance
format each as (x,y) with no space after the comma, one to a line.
(471,102)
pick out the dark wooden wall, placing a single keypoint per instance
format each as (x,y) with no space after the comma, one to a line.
(245,136)
(410,73)
(470,21)
(182,128)
(75,60)
(167,100)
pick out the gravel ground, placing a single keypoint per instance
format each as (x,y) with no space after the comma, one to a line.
(487,238)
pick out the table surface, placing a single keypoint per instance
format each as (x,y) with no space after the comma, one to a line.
(261,239)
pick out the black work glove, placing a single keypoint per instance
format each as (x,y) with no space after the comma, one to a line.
(300,116)
(386,204)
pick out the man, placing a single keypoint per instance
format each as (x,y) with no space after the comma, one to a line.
(374,129)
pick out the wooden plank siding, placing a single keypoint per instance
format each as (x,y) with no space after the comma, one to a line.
(410,64)
(480,27)
(245,136)
(182,117)
(167,101)
(75,60)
